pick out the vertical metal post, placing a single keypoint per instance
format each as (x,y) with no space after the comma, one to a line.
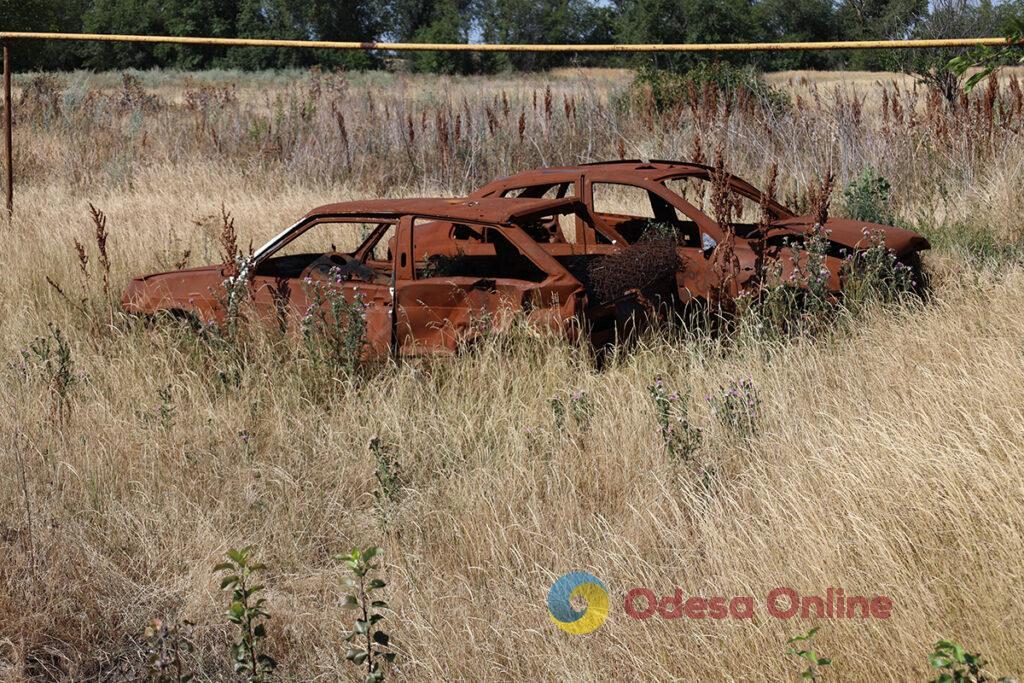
(8,156)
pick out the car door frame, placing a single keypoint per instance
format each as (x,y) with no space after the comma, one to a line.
(377,297)
(553,301)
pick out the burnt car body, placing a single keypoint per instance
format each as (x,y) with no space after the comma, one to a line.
(411,307)
(670,193)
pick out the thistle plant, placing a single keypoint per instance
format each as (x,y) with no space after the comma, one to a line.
(334,328)
(577,405)
(167,647)
(388,473)
(166,407)
(248,614)
(875,273)
(802,647)
(737,406)
(811,273)
(800,303)
(369,645)
(680,437)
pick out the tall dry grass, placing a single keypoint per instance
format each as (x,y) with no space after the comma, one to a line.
(887,459)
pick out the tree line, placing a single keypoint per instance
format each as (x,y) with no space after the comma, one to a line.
(504,21)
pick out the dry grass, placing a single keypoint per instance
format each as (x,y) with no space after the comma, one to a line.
(887,462)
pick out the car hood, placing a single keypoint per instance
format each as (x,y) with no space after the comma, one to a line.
(174,289)
(198,271)
(854,234)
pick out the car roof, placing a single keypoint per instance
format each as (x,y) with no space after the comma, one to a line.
(485,210)
(624,171)
(654,170)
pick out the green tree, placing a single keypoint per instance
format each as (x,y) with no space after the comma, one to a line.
(448,22)
(283,19)
(948,19)
(214,18)
(44,15)
(351,20)
(124,16)
(355,20)
(791,21)
(686,21)
(877,20)
(532,21)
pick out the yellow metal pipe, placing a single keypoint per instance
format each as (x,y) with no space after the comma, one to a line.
(484,47)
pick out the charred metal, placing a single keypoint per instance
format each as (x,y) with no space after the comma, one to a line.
(433,274)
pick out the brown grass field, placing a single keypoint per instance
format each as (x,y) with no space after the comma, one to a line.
(888,458)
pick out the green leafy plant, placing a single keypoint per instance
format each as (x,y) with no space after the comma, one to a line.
(369,645)
(167,647)
(867,198)
(988,59)
(801,646)
(680,437)
(247,613)
(957,665)
(388,473)
(333,328)
(49,359)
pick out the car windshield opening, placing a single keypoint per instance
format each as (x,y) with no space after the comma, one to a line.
(329,248)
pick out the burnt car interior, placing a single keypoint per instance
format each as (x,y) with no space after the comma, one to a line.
(315,251)
(638,214)
(656,215)
(697,191)
(496,258)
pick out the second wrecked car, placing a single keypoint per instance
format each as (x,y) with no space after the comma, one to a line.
(627,201)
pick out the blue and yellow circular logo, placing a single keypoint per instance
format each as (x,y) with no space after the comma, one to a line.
(582,585)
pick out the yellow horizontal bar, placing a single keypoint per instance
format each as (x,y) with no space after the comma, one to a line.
(485,47)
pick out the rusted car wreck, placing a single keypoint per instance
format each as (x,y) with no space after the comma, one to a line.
(597,249)
(412,305)
(627,199)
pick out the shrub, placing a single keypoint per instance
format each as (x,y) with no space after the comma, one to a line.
(706,82)
(867,198)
